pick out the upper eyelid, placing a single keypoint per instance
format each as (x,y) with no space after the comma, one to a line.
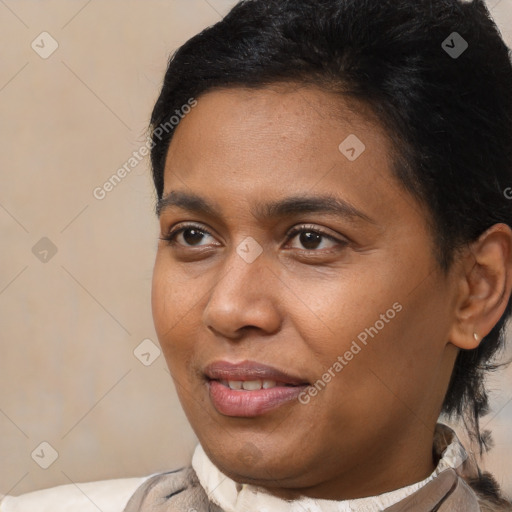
(186,225)
(323,232)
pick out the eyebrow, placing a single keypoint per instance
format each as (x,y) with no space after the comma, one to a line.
(274,209)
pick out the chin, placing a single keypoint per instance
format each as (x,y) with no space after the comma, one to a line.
(251,464)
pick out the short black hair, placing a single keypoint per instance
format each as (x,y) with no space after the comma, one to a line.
(437,75)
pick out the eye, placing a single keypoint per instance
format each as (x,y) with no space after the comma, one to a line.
(192,234)
(311,237)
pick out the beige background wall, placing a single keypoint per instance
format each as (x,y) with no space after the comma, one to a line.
(70,324)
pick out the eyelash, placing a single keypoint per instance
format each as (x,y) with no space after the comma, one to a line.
(170,238)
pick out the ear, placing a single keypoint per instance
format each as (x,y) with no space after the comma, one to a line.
(485,285)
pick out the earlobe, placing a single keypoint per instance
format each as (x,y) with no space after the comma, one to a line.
(485,286)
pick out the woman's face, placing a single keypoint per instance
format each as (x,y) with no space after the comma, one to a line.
(344,322)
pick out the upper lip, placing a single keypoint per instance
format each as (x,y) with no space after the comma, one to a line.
(249,370)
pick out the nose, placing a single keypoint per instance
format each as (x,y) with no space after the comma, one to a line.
(245,297)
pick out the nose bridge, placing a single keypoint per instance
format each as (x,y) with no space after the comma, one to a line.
(245,274)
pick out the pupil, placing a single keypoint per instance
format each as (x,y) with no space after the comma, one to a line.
(197,234)
(307,238)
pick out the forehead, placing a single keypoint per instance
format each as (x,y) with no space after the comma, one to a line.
(282,106)
(286,132)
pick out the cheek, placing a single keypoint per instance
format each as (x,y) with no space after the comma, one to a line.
(171,292)
(177,315)
(372,340)
(170,303)
(159,297)
(388,373)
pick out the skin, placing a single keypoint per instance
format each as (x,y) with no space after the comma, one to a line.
(298,307)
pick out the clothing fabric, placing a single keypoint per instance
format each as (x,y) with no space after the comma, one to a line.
(202,487)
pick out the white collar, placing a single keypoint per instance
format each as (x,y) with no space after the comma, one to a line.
(231,496)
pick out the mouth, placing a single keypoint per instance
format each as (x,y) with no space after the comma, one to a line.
(253,385)
(249,389)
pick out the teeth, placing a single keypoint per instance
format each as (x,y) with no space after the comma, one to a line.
(250,385)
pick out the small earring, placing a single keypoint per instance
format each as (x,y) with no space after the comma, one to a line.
(475,335)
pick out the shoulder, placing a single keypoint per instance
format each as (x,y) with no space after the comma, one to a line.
(104,495)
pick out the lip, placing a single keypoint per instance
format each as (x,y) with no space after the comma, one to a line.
(242,403)
(250,370)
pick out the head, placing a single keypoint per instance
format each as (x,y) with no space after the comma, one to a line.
(334,188)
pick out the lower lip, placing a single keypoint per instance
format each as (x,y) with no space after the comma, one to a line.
(233,402)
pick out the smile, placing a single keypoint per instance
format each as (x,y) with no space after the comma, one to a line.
(249,389)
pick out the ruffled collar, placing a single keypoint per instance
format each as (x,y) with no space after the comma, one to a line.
(231,496)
